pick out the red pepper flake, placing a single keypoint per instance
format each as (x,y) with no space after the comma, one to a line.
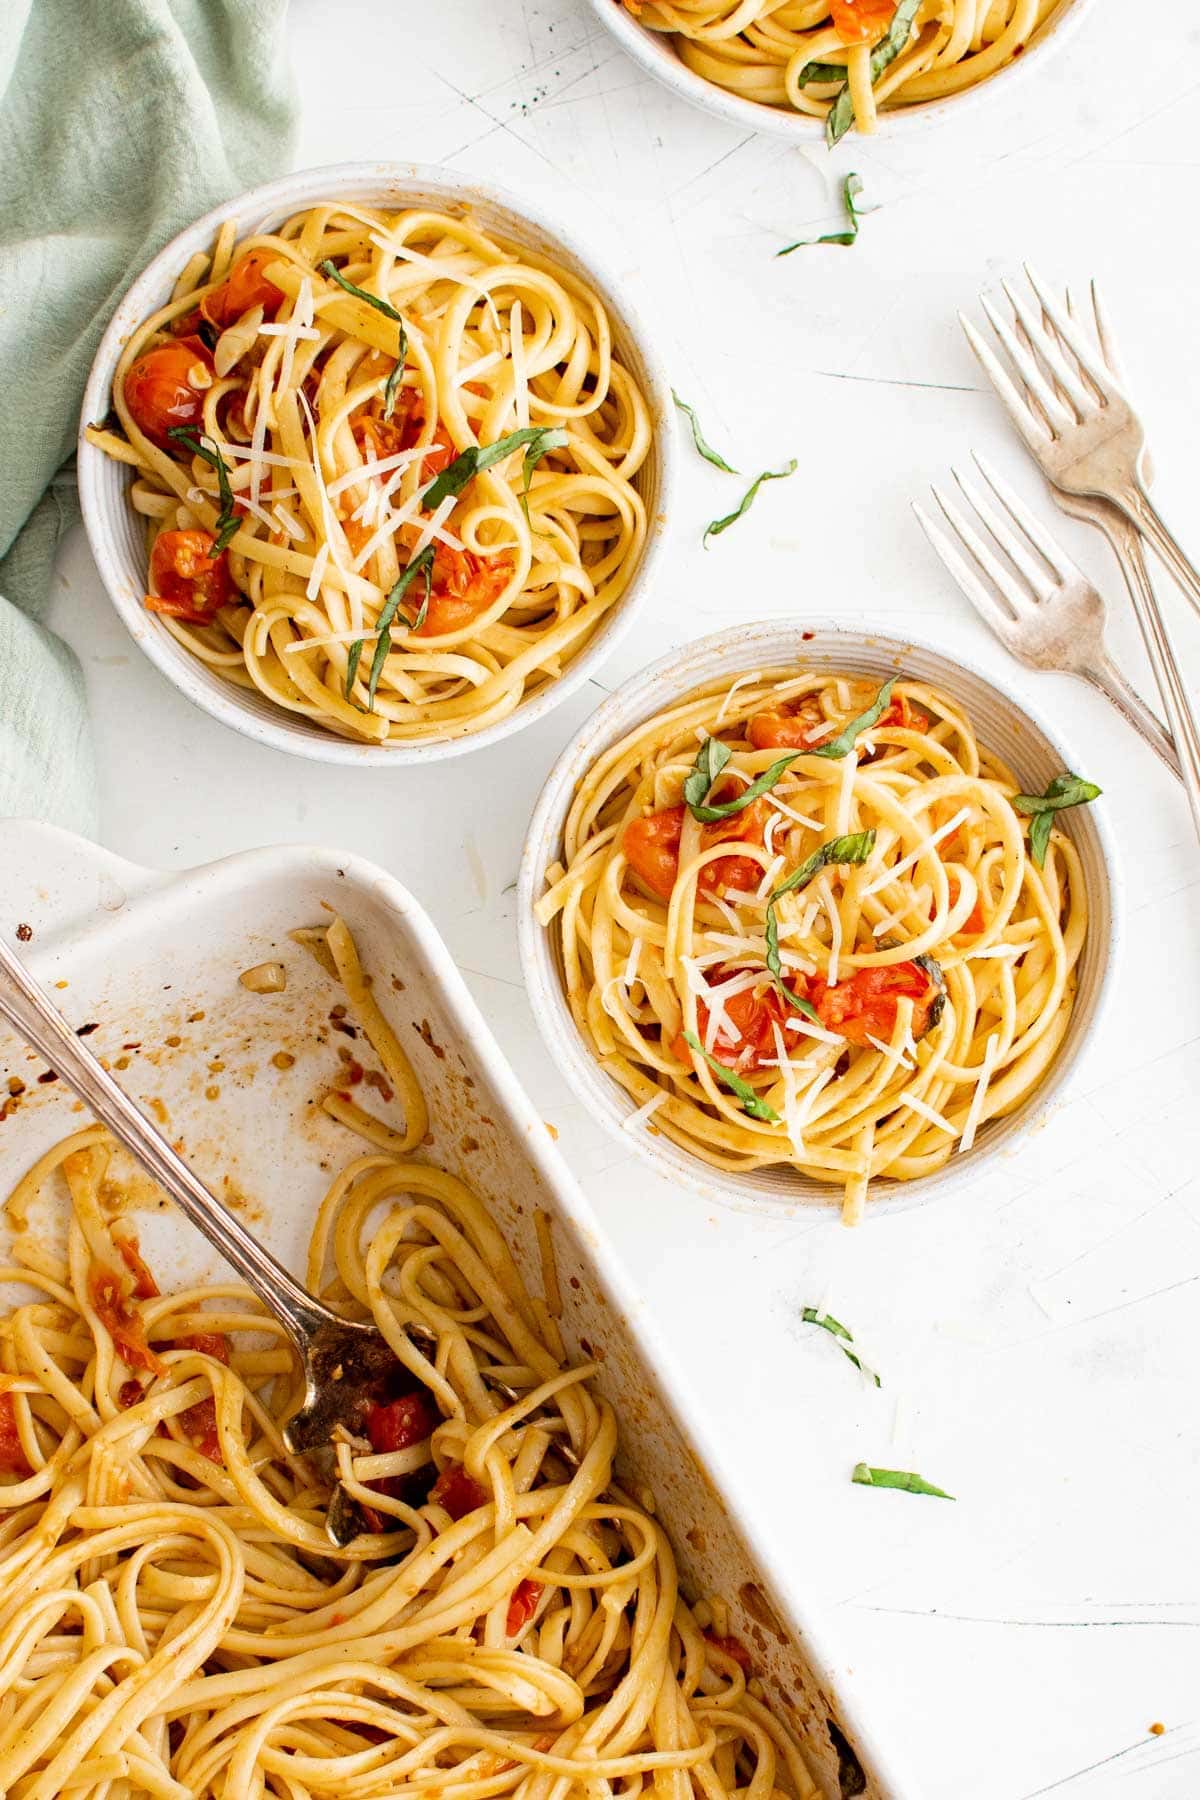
(47,1077)
(24,933)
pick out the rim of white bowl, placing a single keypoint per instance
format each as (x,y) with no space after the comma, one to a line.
(102,484)
(653,51)
(827,643)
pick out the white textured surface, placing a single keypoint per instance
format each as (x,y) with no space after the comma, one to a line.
(1037,1334)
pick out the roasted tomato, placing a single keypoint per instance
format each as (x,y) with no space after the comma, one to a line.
(458,1492)
(244,286)
(522,1605)
(199,1422)
(192,583)
(144,1285)
(975,921)
(398,1424)
(208,1343)
(651,847)
(731,1646)
(166,387)
(753,1015)
(464,585)
(861,21)
(113,1303)
(12,1456)
(864,1005)
(788,726)
(378,437)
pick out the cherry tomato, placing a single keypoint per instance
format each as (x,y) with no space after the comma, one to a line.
(144,1285)
(192,583)
(12,1456)
(244,286)
(651,847)
(522,1605)
(208,1343)
(464,585)
(160,393)
(116,1311)
(458,1492)
(787,727)
(378,437)
(865,1004)
(861,21)
(398,1424)
(752,1015)
(975,921)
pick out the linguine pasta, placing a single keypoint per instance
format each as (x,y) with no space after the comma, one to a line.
(305,420)
(175,1623)
(849,972)
(844,60)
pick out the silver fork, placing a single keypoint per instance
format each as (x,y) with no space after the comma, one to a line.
(1042,607)
(1075,415)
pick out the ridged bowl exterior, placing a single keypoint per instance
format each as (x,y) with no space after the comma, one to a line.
(117,536)
(1002,724)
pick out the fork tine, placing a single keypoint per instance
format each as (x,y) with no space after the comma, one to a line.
(989,608)
(1045,347)
(1106,337)
(1028,521)
(1026,366)
(1075,340)
(1017,597)
(1008,540)
(1032,428)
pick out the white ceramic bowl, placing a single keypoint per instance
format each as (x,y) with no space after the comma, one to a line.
(116,536)
(655,51)
(1010,728)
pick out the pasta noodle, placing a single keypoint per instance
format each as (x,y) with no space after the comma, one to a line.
(175,1623)
(850,972)
(304,419)
(805,53)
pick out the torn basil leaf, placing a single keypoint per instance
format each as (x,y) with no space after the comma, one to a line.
(850,192)
(903,1479)
(352,662)
(538,439)
(203,447)
(1063,792)
(841,113)
(697,786)
(854,848)
(811,1316)
(388,311)
(392,385)
(698,438)
(741,1090)
(383,643)
(844,742)
(717,526)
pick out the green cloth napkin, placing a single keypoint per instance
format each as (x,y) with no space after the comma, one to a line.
(120,121)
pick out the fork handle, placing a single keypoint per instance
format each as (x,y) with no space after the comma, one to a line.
(1127,544)
(1140,509)
(30,1011)
(1129,703)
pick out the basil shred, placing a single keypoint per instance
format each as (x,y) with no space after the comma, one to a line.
(1063,792)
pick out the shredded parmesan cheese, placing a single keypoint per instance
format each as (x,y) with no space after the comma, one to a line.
(990,1058)
(917,1105)
(632,1120)
(922,849)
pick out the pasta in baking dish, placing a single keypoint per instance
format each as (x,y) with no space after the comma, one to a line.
(175,1622)
(386,463)
(845,60)
(799,922)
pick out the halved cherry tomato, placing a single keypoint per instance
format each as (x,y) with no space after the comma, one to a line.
(159,389)
(861,21)
(975,921)
(733,1647)
(788,727)
(651,847)
(378,437)
(12,1456)
(464,585)
(192,583)
(116,1311)
(398,1424)
(144,1285)
(522,1605)
(865,1004)
(458,1492)
(244,286)
(752,1015)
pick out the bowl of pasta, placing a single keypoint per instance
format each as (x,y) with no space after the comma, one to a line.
(374,464)
(831,66)
(816,915)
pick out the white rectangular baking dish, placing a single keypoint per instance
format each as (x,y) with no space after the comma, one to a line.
(152,961)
